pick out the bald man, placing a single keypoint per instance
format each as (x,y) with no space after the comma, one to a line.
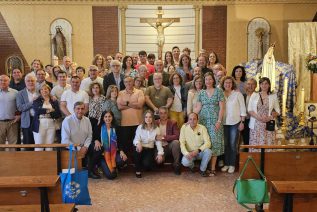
(8,118)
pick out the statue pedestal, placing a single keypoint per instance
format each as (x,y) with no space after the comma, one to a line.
(313,91)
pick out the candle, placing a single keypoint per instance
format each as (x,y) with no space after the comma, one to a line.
(284,97)
(302,100)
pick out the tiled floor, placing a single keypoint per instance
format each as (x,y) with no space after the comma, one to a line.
(164,191)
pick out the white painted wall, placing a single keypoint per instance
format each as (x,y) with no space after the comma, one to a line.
(141,36)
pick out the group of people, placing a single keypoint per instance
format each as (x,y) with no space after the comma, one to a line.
(139,107)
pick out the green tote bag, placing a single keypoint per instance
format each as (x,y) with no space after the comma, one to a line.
(251,191)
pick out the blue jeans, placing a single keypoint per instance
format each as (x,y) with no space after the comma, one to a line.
(204,156)
(231,139)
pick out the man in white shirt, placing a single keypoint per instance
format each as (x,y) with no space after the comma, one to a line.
(57,92)
(73,95)
(76,130)
(62,86)
(93,77)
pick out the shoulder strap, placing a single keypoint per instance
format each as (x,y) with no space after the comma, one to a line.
(253,162)
(261,98)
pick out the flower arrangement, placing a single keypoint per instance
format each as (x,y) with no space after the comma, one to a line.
(311,63)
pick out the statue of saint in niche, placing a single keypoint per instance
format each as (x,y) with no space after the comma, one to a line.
(259,33)
(59,43)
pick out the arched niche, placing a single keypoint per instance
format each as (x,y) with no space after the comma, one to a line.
(13,62)
(61,38)
(259,31)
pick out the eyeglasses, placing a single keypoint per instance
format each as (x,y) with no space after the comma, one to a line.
(115,65)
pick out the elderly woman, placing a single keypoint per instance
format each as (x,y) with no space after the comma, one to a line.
(144,141)
(239,74)
(142,73)
(46,110)
(235,113)
(210,107)
(263,107)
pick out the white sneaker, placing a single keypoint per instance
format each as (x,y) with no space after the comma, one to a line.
(225,168)
(231,169)
(220,163)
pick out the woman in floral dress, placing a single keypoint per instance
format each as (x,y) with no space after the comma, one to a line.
(263,107)
(210,107)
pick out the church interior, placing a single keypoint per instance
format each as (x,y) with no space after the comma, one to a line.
(269,38)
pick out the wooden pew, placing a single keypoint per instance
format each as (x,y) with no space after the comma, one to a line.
(296,164)
(36,208)
(32,167)
(293,196)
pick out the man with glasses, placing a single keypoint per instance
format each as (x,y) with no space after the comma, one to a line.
(93,77)
(159,68)
(158,95)
(114,78)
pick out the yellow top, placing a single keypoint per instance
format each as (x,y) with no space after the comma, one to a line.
(191,140)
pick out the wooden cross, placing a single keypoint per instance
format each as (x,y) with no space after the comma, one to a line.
(158,24)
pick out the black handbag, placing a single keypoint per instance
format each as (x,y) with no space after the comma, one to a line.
(270,125)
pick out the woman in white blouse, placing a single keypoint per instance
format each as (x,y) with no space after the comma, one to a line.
(235,113)
(176,112)
(263,107)
(146,136)
(192,97)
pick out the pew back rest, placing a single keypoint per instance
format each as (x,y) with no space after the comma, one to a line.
(32,163)
(279,166)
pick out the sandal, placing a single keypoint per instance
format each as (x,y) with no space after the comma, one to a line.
(212,173)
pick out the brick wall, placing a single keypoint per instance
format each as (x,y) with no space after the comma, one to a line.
(106,30)
(8,46)
(214,30)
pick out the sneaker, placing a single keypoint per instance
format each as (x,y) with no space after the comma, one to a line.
(221,163)
(225,168)
(231,169)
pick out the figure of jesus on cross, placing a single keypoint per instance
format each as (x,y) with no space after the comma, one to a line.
(158,24)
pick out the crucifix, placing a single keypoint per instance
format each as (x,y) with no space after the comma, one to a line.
(158,24)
